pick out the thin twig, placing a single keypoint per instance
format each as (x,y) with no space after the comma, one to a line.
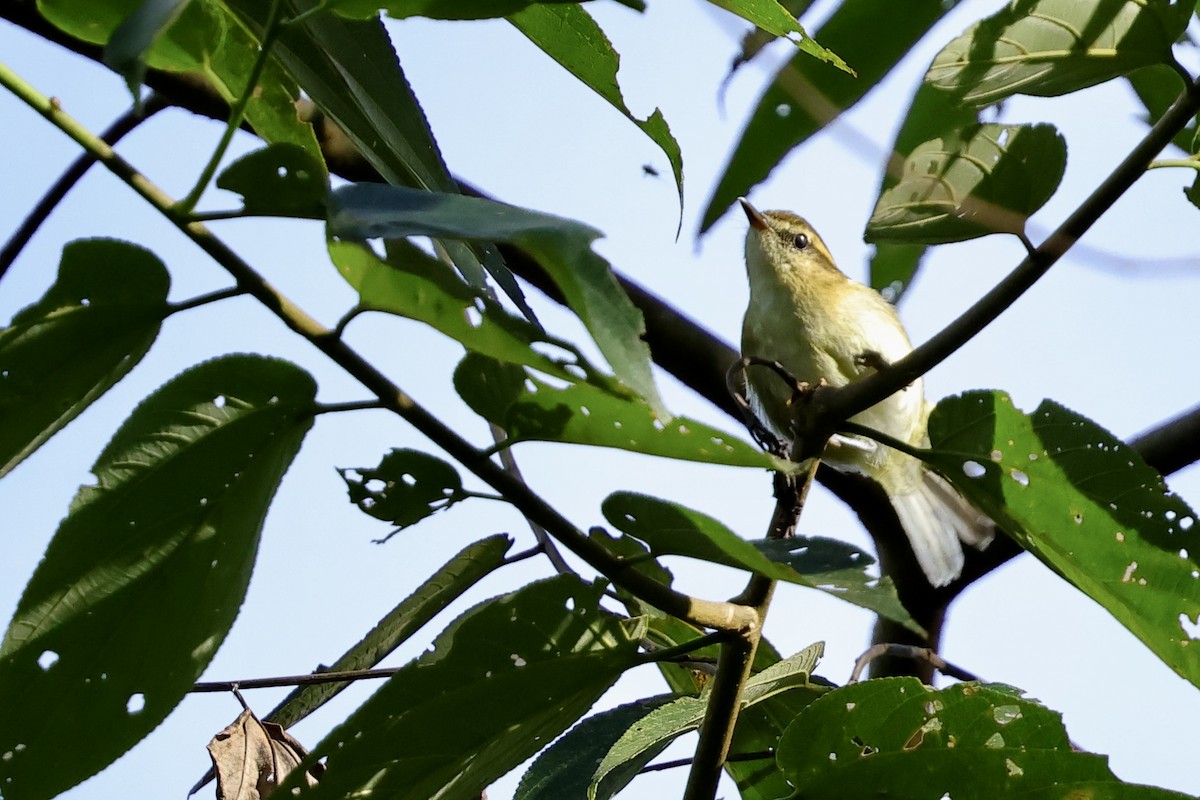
(844,402)
(545,543)
(55,194)
(704,613)
(737,654)
(925,654)
(762,755)
(237,111)
(205,299)
(353,405)
(295,680)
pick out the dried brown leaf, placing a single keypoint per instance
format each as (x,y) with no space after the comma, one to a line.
(252,757)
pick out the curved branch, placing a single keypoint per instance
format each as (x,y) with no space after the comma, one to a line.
(842,403)
(704,613)
(700,359)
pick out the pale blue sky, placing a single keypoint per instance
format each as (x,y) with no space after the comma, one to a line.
(1117,345)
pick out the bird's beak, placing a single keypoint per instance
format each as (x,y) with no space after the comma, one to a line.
(757,220)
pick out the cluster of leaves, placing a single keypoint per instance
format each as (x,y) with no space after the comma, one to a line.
(100,649)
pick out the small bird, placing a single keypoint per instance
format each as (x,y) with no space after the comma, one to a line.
(823,327)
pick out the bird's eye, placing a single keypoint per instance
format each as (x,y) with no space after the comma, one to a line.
(800,241)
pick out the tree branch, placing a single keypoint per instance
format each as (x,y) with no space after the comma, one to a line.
(700,360)
(704,613)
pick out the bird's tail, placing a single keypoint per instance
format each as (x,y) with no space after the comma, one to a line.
(937,520)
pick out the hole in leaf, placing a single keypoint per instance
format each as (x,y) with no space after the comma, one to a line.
(219,401)
(1020,477)
(1190,627)
(47,659)
(135,703)
(1006,714)
(973,469)
(783,110)
(1186,523)
(281,171)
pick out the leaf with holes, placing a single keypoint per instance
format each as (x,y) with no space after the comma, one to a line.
(772,17)
(1047,48)
(562,247)
(501,682)
(405,488)
(826,564)
(981,179)
(1086,504)
(144,577)
(900,738)
(86,333)
(280,180)
(582,413)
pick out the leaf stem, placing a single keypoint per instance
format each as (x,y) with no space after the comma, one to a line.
(236,112)
(205,299)
(704,613)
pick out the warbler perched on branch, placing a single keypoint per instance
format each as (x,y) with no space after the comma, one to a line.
(823,327)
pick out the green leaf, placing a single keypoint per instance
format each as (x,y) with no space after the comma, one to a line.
(1157,87)
(979,180)
(530,409)
(826,564)
(900,738)
(1047,48)
(893,267)
(569,35)
(405,488)
(759,726)
(205,40)
(350,71)
(134,36)
(931,115)
(443,587)
(89,329)
(144,577)
(775,19)
(873,35)
(653,732)
(415,285)
(436,9)
(564,770)
(561,246)
(534,661)
(280,180)
(1087,505)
